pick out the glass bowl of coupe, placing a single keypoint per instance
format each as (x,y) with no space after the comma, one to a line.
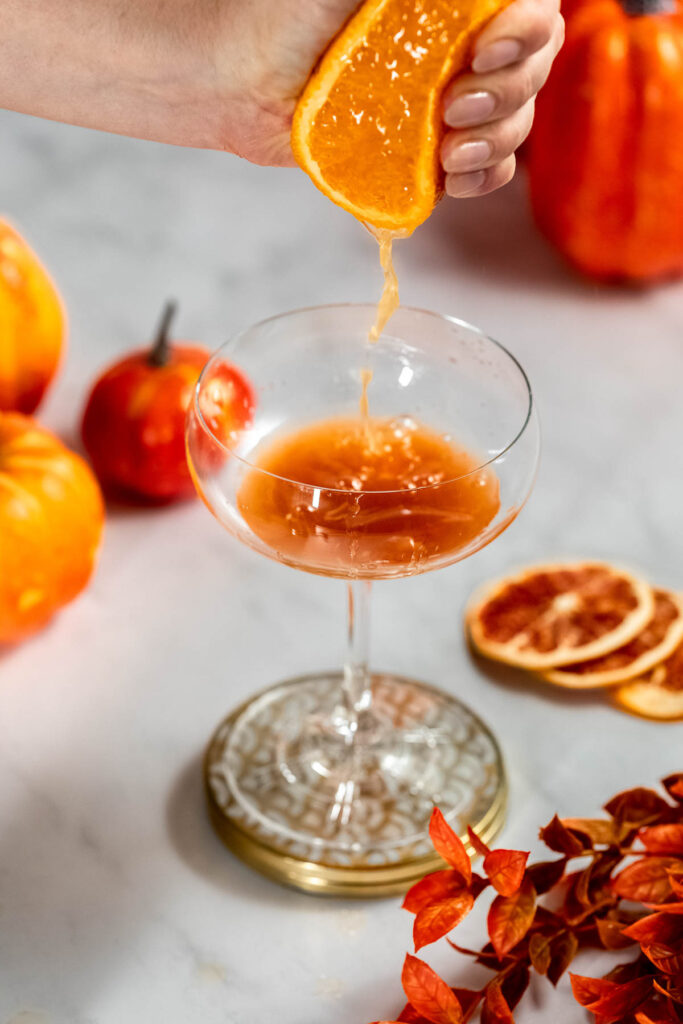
(361,461)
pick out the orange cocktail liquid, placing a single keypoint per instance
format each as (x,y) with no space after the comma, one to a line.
(385,502)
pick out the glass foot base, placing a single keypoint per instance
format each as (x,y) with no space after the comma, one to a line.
(297,797)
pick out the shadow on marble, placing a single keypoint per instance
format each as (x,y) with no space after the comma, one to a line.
(197,845)
(521,681)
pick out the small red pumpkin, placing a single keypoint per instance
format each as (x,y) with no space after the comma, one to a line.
(605,158)
(134,422)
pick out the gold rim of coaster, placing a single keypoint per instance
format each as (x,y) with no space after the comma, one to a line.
(266,855)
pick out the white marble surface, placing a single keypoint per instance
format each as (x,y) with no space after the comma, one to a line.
(116,901)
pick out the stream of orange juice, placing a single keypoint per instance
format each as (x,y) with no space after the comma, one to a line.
(386,307)
(389,302)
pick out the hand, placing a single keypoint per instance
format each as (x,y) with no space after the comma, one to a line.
(491,108)
(264,53)
(226,74)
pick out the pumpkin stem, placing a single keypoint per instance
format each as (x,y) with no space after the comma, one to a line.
(638,8)
(161,349)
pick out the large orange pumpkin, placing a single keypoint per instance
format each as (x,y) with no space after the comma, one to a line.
(605,157)
(51,517)
(32,325)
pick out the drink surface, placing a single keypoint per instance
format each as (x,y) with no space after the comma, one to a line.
(374,497)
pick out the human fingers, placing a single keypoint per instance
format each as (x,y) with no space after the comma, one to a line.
(474,99)
(487,145)
(478,183)
(523,28)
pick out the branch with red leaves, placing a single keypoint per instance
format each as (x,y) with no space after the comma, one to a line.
(602,903)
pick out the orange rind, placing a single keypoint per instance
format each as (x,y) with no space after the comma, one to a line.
(659,694)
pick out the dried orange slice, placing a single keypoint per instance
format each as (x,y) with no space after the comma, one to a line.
(659,694)
(656,641)
(368,126)
(558,614)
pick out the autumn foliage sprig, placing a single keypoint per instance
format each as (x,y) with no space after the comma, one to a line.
(598,902)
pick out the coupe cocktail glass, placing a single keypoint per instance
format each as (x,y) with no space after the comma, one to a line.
(328,780)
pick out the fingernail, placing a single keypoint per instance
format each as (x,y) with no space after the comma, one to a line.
(460,185)
(468,156)
(498,55)
(470,108)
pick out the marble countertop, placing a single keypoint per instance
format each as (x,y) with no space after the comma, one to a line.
(117,903)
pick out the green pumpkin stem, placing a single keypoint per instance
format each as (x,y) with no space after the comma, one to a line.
(639,8)
(161,349)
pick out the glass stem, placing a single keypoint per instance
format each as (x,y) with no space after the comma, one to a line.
(357,688)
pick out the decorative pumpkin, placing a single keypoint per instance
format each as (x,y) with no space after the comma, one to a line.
(605,157)
(32,325)
(51,518)
(134,421)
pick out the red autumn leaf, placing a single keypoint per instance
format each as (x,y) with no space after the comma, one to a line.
(639,806)
(653,1012)
(505,868)
(670,990)
(665,959)
(603,831)
(560,839)
(546,874)
(495,1009)
(676,884)
(539,952)
(589,889)
(582,888)
(437,886)
(646,880)
(583,899)
(656,928)
(429,994)
(673,784)
(438,919)
(469,1000)
(515,983)
(510,918)
(448,845)
(610,999)
(663,839)
(612,934)
(409,1015)
(563,951)
(481,848)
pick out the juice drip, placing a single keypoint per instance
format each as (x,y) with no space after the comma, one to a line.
(386,307)
(391,508)
(371,440)
(365,378)
(389,302)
